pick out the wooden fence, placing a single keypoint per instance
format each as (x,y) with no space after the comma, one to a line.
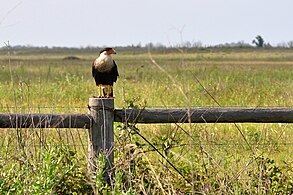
(102,116)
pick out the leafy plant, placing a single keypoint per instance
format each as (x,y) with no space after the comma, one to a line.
(271,178)
(59,173)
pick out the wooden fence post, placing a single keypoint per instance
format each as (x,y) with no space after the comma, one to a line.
(101,134)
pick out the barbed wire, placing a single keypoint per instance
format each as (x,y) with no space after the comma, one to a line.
(3,107)
(86,106)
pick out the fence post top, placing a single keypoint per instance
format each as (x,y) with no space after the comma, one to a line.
(108,102)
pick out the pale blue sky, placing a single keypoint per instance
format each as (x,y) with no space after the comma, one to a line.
(77,23)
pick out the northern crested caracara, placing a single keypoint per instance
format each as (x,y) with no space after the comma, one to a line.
(105,72)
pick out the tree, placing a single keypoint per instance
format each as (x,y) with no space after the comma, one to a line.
(290,44)
(258,41)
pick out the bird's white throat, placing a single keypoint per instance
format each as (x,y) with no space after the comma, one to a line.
(104,62)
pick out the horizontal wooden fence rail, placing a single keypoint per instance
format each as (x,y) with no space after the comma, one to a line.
(206,115)
(173,115)
(45,121)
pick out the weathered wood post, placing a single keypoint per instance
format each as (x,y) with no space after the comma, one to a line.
(101,133)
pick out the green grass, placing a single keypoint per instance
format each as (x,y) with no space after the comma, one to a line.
(218,158)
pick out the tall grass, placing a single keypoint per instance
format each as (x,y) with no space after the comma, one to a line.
(209,158)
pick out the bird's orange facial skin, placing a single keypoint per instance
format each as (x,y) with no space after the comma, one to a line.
(111,51)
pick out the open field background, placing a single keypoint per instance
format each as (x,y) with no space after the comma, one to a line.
(210,158)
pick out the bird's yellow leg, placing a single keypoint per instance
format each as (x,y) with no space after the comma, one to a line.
(109,90)
(100,95)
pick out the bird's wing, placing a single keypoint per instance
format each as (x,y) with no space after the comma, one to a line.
(115,71)
(94,71)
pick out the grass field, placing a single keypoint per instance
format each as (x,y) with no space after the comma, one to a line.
(210,158)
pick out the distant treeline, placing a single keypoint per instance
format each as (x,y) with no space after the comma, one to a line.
(139,48)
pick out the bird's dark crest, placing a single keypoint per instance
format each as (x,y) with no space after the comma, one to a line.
(105,49)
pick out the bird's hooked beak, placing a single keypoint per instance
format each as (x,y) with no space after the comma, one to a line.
(113,51)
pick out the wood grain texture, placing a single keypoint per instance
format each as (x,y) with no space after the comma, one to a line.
(45,121)
(206,115)
(101,133)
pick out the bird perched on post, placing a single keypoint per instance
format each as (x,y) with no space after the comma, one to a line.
(105,72)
